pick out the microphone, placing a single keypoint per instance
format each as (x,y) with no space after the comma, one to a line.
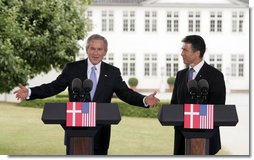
(76,89)
(88,86)
(204,88)
(193,89)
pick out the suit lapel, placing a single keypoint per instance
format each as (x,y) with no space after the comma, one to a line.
(180,94)
(185,88)
(202,73)
(103,78)
(85,68)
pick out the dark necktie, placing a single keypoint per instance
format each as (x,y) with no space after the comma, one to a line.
(190,75)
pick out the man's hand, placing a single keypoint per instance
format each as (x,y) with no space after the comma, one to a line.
(21,93)
(151,100)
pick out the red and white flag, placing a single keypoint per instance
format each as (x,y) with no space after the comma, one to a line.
(80,114)
(199,116)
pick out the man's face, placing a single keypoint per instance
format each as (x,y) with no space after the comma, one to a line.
(96,51)
(189,57)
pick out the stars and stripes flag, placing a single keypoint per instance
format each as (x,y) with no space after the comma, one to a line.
(199,116)
(80,114)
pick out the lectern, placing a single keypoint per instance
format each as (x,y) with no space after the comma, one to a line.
(79,140)
(197,141)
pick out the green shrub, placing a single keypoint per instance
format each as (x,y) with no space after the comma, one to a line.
(133,81)
(39,103)
(125,109)
(63,94)
(171,80)
(134,111)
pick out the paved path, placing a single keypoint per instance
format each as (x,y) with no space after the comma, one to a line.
(237,139)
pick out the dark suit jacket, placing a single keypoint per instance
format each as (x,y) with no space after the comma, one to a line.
(216,95)
(110,81)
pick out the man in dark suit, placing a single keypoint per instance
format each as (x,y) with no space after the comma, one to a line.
(108,79)
(193,50)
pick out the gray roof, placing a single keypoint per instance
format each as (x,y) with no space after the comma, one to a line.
(117,2)
(175,3)
(245,1)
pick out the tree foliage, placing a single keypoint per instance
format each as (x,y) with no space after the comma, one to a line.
(36,36)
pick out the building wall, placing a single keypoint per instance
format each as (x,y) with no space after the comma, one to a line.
(162,42)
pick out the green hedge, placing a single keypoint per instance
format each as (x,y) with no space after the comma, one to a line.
(134,111)
(125,109)
(39,103)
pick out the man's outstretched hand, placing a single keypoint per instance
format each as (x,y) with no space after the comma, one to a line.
(151,100)
(21,93)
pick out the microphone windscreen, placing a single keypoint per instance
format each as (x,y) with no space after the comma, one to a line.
(203,84)
(88,85)
(192,84)
(76,85)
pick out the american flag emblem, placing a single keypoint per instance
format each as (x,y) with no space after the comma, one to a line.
(199,116)
(80,114)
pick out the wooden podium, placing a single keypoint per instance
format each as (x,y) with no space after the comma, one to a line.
(80,140)
(197,140)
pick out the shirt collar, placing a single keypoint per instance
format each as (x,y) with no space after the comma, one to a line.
(90,65)
(198,66)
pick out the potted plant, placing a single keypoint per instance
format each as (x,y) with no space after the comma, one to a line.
(133,82)
(171,81)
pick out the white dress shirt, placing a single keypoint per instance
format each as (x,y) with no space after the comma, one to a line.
(197,68)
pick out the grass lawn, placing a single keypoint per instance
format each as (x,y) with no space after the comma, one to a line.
(141,136)
(23,133)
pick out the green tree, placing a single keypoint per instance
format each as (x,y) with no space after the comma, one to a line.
(36,36)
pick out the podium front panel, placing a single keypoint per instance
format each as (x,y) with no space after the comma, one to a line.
(106,113)
(172,115)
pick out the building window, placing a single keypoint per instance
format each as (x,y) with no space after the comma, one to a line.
(150,21)
(237,21)
(172,61)
(89,17)
(237,65)
(109,58)
(129,21)
(194,21)
(150,65)
(172,21)
(129,64)
(216,61)
(216,22)
(107,21)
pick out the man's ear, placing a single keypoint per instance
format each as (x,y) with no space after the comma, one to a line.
(105,53)
(198,53)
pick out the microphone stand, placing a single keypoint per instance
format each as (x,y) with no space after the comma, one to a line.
(87,97)
(204,94)
(193,97)
(76,96)
(199,101)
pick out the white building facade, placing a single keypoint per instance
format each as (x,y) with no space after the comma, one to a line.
(145,37)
